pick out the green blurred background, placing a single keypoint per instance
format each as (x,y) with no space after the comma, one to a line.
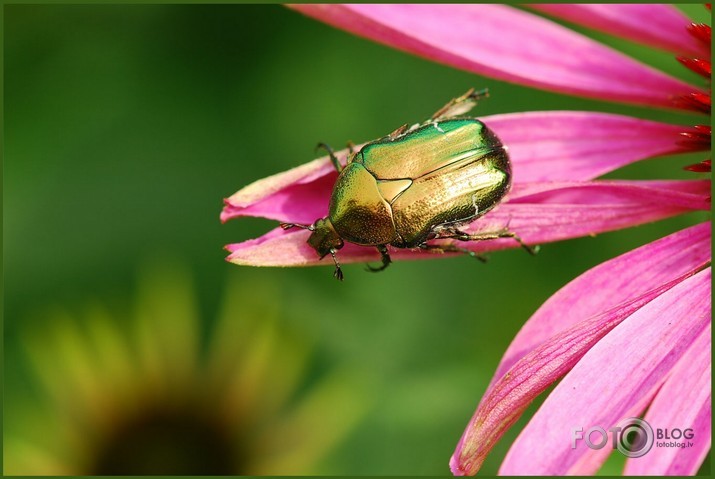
(126,126)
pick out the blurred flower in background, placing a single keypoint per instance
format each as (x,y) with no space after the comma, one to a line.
(143,395)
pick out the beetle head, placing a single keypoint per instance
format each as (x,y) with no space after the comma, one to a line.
(324,237)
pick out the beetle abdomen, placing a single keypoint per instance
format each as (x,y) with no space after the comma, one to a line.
(458,169)
(457,194)
(358,210)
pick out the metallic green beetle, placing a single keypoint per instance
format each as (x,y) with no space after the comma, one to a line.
(417,184)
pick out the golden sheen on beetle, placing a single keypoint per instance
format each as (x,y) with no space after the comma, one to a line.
(417,184)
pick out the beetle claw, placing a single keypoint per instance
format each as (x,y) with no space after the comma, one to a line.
(386,260)
(480,257)
(373,269)
(338,273)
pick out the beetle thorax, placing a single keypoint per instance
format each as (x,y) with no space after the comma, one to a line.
(324,237)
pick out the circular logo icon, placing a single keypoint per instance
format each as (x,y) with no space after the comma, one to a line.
(636,437)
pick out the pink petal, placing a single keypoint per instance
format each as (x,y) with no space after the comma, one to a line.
(543,146)
(615,380)
(531,375)
(662,26)
(605,295)
(300,194)
(683,402)
(571,145)
(539,213)
(507,44)
(610,284)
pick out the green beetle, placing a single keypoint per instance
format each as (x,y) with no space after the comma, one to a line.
(415,185)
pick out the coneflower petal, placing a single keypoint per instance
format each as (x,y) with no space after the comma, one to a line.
(507,44)
(531,375)
(682,403)
(617,379)
(609,284)
(656,25)
(572,145)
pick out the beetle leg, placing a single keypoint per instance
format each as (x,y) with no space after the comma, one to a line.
(399,131)
(333,158)
(351,152)
(462,236)
(386,260)
(287,226)
(451,248)
(351,148)
(338,273)
(460,105)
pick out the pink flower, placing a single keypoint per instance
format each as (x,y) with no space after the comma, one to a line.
(632,334)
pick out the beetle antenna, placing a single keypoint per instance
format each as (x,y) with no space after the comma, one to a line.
(338,273)
(287,226)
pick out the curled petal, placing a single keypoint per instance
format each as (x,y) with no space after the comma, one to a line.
(508,44)
(278,248)
(532,374)
(655,25)
(610,284)
(619,375)
(684,402)
(538,213)
(543,146)
(299,194)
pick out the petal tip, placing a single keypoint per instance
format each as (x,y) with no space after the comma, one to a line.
(226,212)
(455,466)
